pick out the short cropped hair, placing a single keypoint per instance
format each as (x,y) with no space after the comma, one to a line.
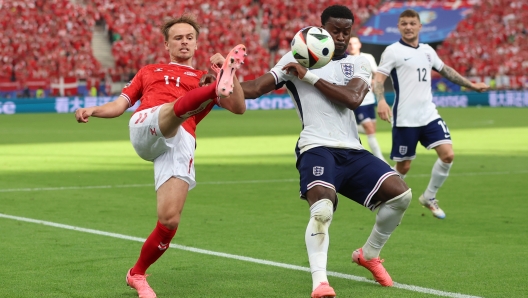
(409,13)
(337,12)
(185,19)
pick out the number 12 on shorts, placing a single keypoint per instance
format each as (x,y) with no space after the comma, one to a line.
(442,123)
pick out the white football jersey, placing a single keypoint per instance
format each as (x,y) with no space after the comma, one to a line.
(369,98)
(410,71)
(324,123)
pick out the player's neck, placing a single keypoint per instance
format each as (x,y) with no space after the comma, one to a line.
(187,62)
(412,42)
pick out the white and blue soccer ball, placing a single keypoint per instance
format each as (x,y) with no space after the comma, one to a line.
(313,47)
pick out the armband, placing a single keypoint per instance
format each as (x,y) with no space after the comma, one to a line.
(310,78)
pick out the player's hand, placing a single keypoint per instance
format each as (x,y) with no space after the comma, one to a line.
(295,69)
(83,114)
(384,111)
(479,87)
(217,59)
(207,79)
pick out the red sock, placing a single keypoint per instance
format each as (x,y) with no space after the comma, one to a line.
(194,101)
(155,245)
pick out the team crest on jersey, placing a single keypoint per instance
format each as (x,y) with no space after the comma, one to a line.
(191,74)
(158,69)
(318,171)
(128,84)
(428,57)
(348,70)
(403,150)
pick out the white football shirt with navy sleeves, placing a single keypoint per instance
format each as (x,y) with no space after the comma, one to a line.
(369,98)
(410,70)
(324,123)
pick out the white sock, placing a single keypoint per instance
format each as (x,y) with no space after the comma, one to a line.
(317,239)
(374,146)
(388,218)
(439,175)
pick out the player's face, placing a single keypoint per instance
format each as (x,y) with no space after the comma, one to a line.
(354,46)
(181,43)
(409,28)
(340,30)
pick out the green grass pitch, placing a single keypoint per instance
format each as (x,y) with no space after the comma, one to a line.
(242,230)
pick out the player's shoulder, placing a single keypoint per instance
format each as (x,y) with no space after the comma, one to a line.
(366,55)
(425,47)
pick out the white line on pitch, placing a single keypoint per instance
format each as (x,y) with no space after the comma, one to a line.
(237,257)
(235,182)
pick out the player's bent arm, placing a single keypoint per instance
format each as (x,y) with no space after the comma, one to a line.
(384,110)
(452,75)
(350,96)
(255,88)
(236,102)
(377,86)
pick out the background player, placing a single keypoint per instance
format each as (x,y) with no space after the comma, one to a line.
(366,113)
(162,129)
(330,158)
(414,116)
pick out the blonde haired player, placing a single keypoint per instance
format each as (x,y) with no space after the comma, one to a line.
(414,116)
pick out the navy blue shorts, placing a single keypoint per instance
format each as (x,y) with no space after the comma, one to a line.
(405,139)
(365,112)
(356,174)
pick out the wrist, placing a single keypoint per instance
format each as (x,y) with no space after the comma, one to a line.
(310,78)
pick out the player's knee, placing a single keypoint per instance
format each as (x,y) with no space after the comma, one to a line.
(322,210)
(171,222)
(448,158)
(401,202)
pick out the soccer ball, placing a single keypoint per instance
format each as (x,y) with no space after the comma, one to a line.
(313,47)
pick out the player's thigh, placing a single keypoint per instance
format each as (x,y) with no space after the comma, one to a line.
(145,135)
(177,161)
(361,177)
(317,174)
(404,142)
(392,187)
(434,134)
(168,122)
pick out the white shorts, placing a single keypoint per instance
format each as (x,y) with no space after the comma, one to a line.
(173,157)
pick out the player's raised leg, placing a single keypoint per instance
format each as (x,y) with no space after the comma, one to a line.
(388,218)
(233,61)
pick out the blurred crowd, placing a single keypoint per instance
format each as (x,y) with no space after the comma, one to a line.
(52,38)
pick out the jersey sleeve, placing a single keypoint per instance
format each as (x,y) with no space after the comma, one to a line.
(373,64)
(362,70)
(133,90)
(387,62)
(438,64)
(280,75)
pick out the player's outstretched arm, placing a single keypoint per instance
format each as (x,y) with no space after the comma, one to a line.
(255,88)
(108,110)
(452,75)
(384,111)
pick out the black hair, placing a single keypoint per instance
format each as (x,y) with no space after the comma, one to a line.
(337,12)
